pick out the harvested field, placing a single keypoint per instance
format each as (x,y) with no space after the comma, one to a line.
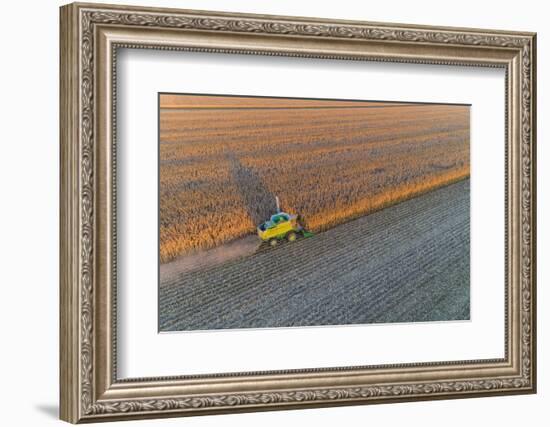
(224,159)
(406,263)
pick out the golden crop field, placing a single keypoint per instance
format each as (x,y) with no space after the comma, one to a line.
(224,159)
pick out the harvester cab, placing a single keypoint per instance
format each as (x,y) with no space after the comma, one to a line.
(281,226)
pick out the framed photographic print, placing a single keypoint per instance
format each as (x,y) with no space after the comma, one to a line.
(265,212)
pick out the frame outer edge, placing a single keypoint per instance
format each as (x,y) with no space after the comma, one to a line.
(77,343)
(69,354)
(533,208)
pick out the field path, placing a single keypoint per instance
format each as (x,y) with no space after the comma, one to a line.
(406,263)
(238,248)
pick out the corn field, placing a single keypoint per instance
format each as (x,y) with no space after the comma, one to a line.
(224,159)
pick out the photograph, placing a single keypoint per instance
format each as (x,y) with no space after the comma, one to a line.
(300,212)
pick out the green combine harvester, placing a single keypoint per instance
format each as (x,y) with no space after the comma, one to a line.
(281,226)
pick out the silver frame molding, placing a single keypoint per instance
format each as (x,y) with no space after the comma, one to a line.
(90,37)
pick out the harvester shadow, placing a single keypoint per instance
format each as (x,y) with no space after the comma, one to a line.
(259,201)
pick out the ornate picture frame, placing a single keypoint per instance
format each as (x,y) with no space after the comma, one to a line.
(90,37)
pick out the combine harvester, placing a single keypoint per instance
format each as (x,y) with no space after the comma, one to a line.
(281,226)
